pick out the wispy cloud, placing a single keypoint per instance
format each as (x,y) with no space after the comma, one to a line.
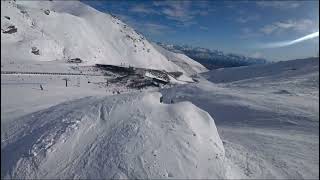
(143,9)
(204,28)
(279,4)
(246,19)
(268,29)
(182,11)
(301,26)
(246,33)
(176,10)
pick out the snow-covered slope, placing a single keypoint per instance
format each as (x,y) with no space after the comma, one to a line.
(124,136)
(267,117)
(277,71)
(189,65)
(62,30)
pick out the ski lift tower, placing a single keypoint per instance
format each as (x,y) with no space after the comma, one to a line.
(66,79)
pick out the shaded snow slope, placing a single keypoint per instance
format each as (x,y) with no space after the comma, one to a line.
(62,30)
(269,123)
(122,136)
(189,65)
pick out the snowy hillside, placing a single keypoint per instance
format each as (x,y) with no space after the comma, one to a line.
(127,136)
(63,30)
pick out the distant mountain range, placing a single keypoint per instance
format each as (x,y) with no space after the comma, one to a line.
(213,59)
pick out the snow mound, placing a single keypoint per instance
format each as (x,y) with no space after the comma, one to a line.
(34,31)
(123,136)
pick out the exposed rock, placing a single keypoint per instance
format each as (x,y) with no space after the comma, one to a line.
(47,11)
(23,11)
(175,74)
(75,60)
(35,50)
(11,29)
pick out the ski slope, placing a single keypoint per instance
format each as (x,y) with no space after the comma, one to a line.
(268,121)
(268,126)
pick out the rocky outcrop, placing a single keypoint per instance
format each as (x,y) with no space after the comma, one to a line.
(35,51)
(10,29)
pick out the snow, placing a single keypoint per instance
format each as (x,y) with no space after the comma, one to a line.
(265,134)
(268,126)
(93,36)
(281,69)
(123,136)
(257,122)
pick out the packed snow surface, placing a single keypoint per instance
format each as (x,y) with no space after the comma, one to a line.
(124,136)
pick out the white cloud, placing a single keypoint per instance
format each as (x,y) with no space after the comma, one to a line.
(279,4)
(300,26)
(177,10)
(268,29)
(182,11)
(143,9)
(246,33)
(247,19)
(204,28)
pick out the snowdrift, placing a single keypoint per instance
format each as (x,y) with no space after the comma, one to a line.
(123,136)
(63,30)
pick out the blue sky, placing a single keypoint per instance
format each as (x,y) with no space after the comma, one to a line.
(230,26)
